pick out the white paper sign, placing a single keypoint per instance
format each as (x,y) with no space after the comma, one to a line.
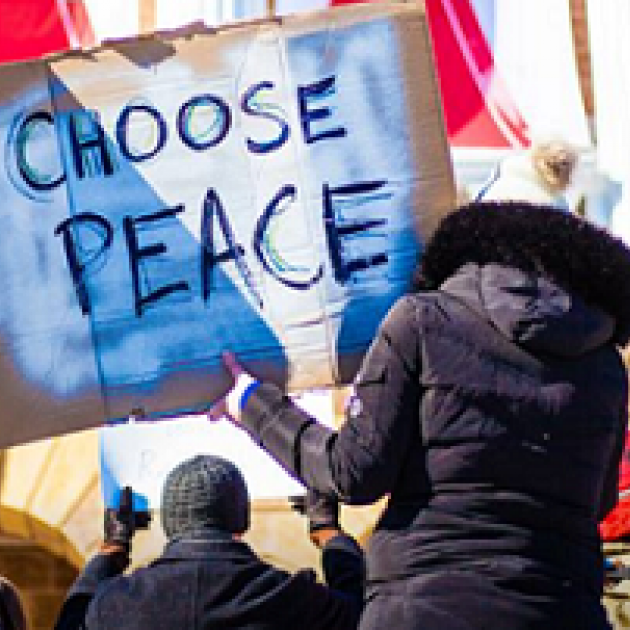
(141,454)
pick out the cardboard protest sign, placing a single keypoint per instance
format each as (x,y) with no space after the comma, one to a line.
(265,189)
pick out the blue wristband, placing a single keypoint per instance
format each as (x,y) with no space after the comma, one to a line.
(249,390)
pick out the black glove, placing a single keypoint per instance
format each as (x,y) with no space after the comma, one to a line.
(321,510)
(121,523)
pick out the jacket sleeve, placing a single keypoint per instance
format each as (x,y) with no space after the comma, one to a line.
(343,564)
(98,570)
(337,605)
(610,490)
(361,461)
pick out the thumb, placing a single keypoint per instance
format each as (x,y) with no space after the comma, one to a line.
(217,411)
(233,366)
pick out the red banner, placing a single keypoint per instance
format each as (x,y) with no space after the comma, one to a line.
(32,28)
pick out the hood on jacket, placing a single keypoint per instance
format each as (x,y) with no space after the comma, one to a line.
(582,264)
(530,310)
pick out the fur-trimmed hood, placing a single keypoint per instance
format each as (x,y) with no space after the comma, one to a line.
(573,254)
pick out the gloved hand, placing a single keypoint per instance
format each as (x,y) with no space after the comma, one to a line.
(322,512)
(122,522)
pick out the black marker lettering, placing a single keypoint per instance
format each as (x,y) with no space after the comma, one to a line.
(211,206)
(335,232)
(285,192)
(122,126)
(90,144)
(317,90)
(78,267)
(136,253)
(256,110)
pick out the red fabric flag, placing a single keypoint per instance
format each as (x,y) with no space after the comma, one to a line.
(32,28)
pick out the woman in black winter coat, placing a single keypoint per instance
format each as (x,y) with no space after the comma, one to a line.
(491,408)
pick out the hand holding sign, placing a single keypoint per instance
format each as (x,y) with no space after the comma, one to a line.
(242,383)
(121,523)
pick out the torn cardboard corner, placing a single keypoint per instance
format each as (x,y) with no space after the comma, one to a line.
(265,189)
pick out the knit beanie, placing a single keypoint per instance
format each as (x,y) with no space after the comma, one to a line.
(205,492)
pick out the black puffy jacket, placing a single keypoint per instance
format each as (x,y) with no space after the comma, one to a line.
(492,412)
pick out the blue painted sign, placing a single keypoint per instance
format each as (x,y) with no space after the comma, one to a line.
(265,190)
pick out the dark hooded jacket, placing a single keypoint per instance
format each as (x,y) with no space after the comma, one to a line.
(492,412)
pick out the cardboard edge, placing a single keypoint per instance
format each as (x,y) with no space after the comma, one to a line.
(339,16)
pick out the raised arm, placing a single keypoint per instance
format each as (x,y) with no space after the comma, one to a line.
(112,559)
(361,461)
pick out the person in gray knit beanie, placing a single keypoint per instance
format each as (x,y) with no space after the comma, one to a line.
(207,576)
(205,492)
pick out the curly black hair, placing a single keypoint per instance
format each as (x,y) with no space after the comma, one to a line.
(572,252)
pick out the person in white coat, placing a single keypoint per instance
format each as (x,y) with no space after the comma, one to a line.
(541,174)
